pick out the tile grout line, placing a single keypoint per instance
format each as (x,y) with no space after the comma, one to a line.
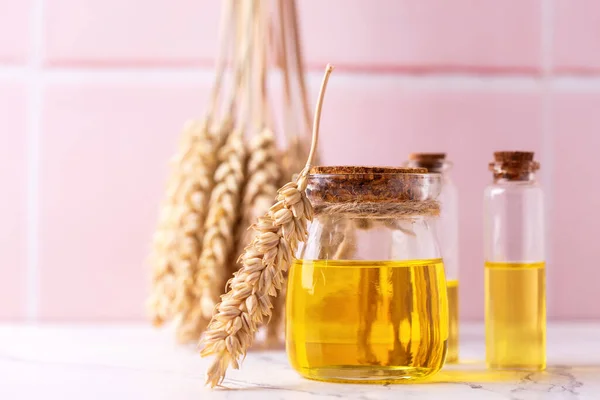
(34,115)
(548,79)
(185,75)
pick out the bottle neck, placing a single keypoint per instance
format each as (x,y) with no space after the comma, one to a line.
(514,170)
(503,177)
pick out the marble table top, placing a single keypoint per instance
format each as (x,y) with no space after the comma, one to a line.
(137,362)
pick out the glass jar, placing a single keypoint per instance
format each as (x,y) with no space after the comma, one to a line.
(366,298)
(515,283)
(448,236)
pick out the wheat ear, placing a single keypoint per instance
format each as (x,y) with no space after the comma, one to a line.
(162,258)
(220,224)
(260,277)
(193,199)
(261,188)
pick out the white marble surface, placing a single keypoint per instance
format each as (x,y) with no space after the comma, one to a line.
(136,362)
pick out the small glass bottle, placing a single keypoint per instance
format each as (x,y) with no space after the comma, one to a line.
(515,291)
(366,298)
(448,236)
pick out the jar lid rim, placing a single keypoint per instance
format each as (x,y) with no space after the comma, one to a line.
(360,170)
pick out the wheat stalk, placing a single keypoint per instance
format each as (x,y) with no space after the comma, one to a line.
(293,78)
(165,250)
(193,200)
(222,217)
(244,306)
(242,309)
(190,316)
(261,187)
(163,257)
(201,279)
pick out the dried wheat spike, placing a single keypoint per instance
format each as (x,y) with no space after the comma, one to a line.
(267,257)
(248,301)
(193,200)
(264,173)
(261,187)
(162,258)
(220,224)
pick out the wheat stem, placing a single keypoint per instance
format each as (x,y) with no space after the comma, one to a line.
(298,58)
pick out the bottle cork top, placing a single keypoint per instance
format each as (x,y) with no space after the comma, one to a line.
(354,170)
(427,156)
(434,162)
(513,165)
(355,184)
(513,156)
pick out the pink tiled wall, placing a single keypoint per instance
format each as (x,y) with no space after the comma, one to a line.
(93,94)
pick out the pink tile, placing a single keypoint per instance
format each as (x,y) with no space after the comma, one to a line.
(103,169)
(13,204)
(419,35)
(14,30)
(379,120)
(116,32)
(577,28)
(423,34)
(576,198)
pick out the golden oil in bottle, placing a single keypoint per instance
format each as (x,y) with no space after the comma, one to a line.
(448,234)
(514,250)
(452,356)
(375,321)
(515,307)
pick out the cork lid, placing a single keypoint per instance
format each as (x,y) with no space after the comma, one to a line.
(360,170)
(427,157)
(513,165)
(433,162)
(352,184)
(513,156)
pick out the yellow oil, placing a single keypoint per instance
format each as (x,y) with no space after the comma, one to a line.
(515,323)
(367,321)
(452,356)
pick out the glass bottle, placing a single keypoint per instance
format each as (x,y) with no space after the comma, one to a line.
(448,236)
(366,298)
(515,291)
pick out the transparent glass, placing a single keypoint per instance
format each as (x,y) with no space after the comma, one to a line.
(449,244)
(367,300)
(448,237)
(515,292)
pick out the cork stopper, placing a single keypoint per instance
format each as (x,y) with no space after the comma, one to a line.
(433,162)
(427,156)
(513,156)
(513,165)
(356,184)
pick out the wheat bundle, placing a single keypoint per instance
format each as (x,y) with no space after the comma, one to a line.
(220,183)
(178,236)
